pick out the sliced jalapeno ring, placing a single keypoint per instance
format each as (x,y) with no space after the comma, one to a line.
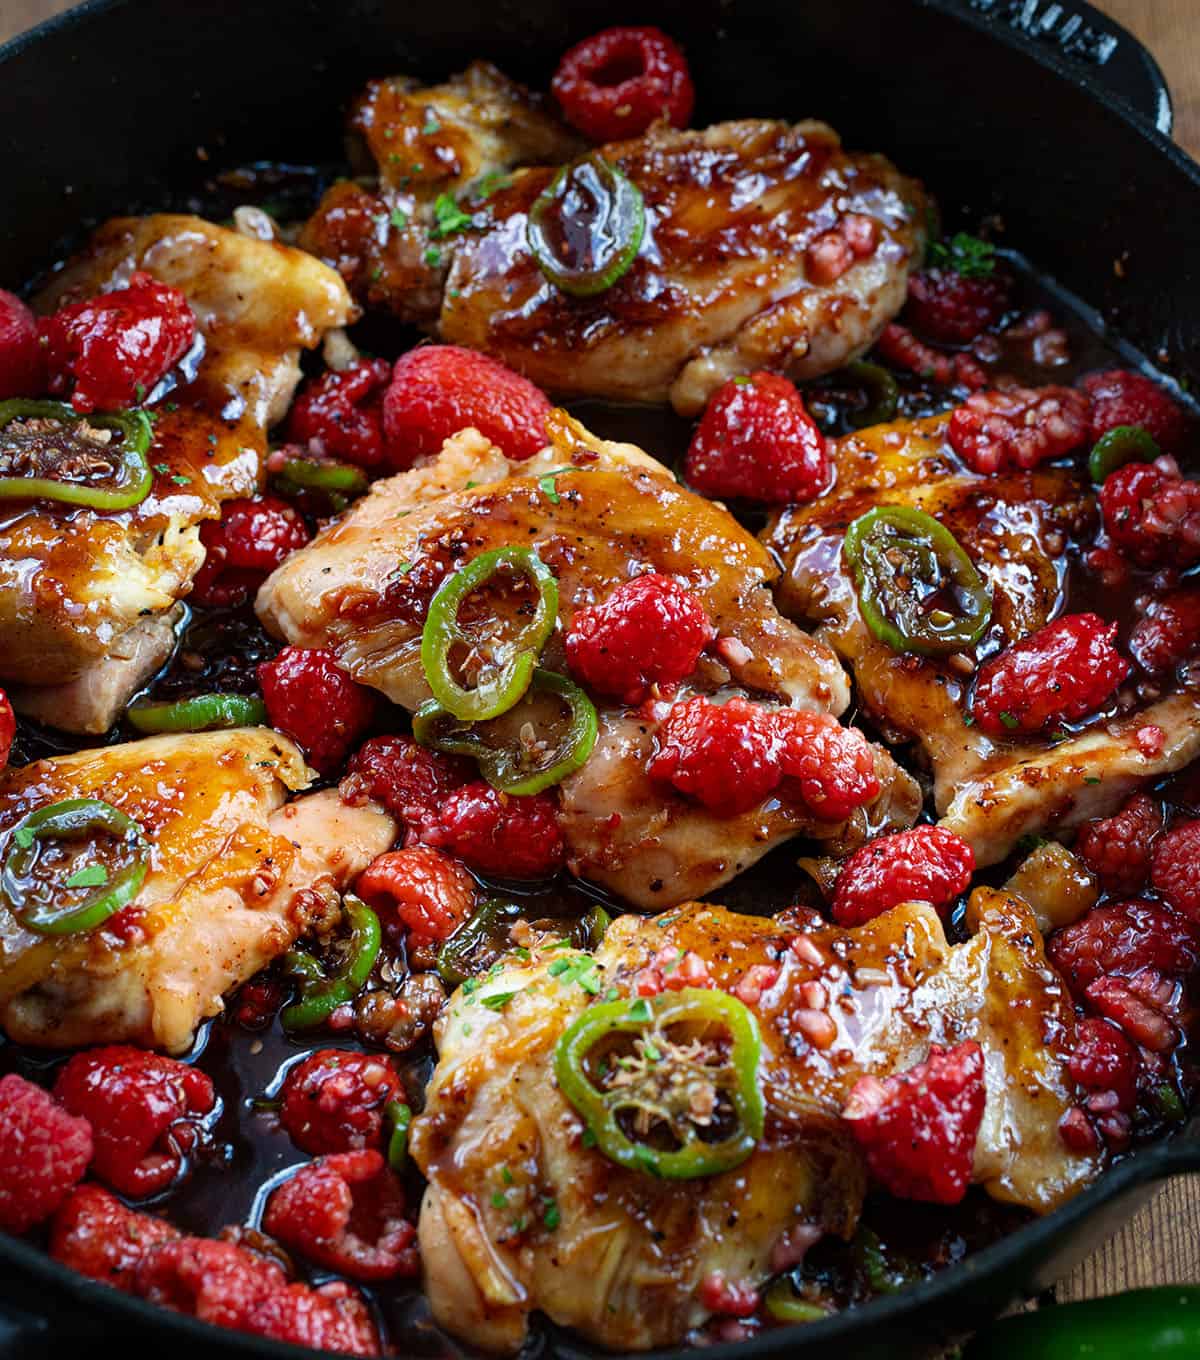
(1118,446)
(501,687)
(127,469)
(917,589)
(477,943)
(322,993)
(50,903)
(585,229)
(882,389)
(785,1305)
(661,1080)
(202,713)
(397,1118)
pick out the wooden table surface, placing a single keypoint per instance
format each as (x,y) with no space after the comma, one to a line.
(1162,1244)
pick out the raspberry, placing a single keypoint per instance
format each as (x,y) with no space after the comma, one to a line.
(510,836)
(725,756)
(1118,1000)
(833,766)
(332,1317)
(918,1129)
(117,346)
(898,346)
(1120,397)
(21,372)
(244,546)
(216,1282)
(1175,869)
(346,1213)
(951,309)
(340,415)
(1117,849)
(616,83)
(437,390)
(1064,671)
(728,1299)
(1152,514)
(1169,631)
(143,1109)
(44,1151)
(334,1101)
(756,440)
(856,237)
(649,631)
(411,781)
(8,728)
(1016,429)
(1102,1059)
(313,701)
(431,893)
(1123,939)
(96,1235)
(925,864)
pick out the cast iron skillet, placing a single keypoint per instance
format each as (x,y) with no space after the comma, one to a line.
(1046,114)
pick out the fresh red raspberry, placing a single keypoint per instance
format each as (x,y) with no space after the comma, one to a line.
(1120,397)
(96,1235)
(1120,1001)
(244,546)
(431,893)
(1102,1059)
(410,780)
(346,1212)
(649,631)
(833,765)
(312,700)
(21,369)
(1152,514)
(1117,849)
(1064,671)
(8,728)
(951,309)
(1017,428)
(437,390)
(44,1151)
(616,83)
(925,864)
(507,835)
(1168,633)
(1175,869)
(725,756)
(332,1317)
(216,1282)
(757,441)
(340,415)
(898,346)
(727,1298)
(1123,939)
(334,1101)
(918,1129)
(115,347)
(144,1110)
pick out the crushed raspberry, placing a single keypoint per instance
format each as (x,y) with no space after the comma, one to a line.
(334,1100)
(725,756)
(340,415)
(1017,428)
(1175,869)
(410,780)
(856,237)
(429,892)
(757,979)
(898,346)
(925,864)
(757,441)
(216,1282)
(21,372)
(1122,939)
(1120,397)
(437,390)
(144,1109)
(833,767)
(950,308)
(8,728)
(1168,633)
(1078,1133)
(671,971)
(312,700)
(95,1234)
(1117,1000)
(333,1317)
(44,1151)
(255,1005)
(918,1129)
(1152,514)
(346,1212)
(244,546)
(1117,849)
(728,1298)
(616,83)
(1102,1059)
(649,631)
(115,347)
(510,836)
(1065,671)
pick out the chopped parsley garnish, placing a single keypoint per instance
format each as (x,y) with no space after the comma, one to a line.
(162,468)
(497,1001)
(965,254)
(546,484)
(431,126)
(448,217)
(506,1175)
(432,257)
(551,1217)
(640,1010)
(499,1199)
(23,837)
(1010,721)
(90,876)
(398,218)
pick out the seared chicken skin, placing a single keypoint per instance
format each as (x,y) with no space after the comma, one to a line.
(624,1262)
(363,586)
(234,877)
(1016,528)
(766,245)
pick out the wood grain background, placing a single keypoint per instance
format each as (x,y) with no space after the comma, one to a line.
(1162,1244)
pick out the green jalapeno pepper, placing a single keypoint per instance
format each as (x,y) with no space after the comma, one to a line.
(397,1117)
(339,483)
(511,767)
(1118,446)
(131,476)
(882,389)
(917,589)
(202,713)
(478,942)
(585,229)
(500,689)
(785,1305)
(886,1272)
(659,1081)
(322,993)
(51,903)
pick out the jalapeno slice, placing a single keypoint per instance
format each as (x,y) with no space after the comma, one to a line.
(519,766)
(882,391)
(49,436)
(661,1079)
(1118,446)
(397,1118)
(322,993)
(67,898)
(785,1305)
(478,942)
(500,687)
(202,713)
(585,229)
(917,589)
(338,483)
